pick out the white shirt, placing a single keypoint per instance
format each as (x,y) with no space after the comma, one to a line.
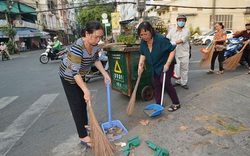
(182,50)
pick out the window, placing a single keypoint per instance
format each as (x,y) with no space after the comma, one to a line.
(227,20)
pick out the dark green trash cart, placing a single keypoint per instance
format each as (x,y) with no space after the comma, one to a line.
(123,67)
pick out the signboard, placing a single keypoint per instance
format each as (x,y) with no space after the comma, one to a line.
(115,17)
(107,24)
(104,21)
(104,15)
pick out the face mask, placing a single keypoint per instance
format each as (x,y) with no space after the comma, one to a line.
(181,24)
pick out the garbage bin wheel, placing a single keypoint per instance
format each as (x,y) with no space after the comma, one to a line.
(147,93)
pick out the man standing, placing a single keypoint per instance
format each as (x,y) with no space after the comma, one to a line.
(246,35)
(179,36)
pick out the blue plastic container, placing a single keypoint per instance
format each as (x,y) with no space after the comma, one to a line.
(113,123)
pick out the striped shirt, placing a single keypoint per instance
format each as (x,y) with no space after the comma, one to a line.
(78,61)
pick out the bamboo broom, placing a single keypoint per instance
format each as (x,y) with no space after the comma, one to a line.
(100,144)
(232,62)
(206,60)
(131,103)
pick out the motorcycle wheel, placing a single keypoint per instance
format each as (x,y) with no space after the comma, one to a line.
(44,59)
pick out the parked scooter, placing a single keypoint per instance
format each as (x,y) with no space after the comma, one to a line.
(93,71)
(49,55)
(234,46)
(196,41)
(5,56)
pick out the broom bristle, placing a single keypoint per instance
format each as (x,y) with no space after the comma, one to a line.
(131,103)
(100,144)
(206,60)
(232,62)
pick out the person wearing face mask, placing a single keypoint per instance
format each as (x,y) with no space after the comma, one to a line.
(246,35)
(179,37)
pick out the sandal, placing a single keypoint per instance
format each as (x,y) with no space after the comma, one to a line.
(173,107)
(248,73)
(86,144)
(220,72)
(210,72)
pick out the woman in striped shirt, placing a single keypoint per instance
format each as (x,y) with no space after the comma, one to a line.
(82,55)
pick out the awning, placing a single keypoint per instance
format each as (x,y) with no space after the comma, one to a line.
(45,36)
(2,35)
(26,8)
(15,8)
(25,33)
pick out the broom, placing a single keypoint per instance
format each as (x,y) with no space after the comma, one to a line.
(131,103)
(206,60)
(232,62)
(100,144)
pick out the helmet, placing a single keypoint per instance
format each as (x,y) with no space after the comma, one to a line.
(2,43)
(181,16)
(55,37)
(247,24)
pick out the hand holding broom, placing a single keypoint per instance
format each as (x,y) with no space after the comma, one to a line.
(231,62)
(100,144)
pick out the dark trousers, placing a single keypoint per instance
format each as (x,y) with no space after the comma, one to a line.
(157,84)
(77,105)
(55,51)
(246,55)
(221,58)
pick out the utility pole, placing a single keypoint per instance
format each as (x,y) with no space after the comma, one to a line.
(213,14)
(141,6)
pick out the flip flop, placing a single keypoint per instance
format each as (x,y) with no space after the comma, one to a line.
(248,73)
(86,144)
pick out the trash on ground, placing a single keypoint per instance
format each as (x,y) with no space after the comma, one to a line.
(120,144)
(114,131)
(144,122)
(183,128)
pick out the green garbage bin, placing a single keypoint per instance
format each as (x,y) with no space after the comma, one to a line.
(123,67)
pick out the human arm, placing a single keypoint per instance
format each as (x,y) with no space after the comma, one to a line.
(223,39)
(56,45)
(169,60)
(99,66)
(141,64)
(83,86)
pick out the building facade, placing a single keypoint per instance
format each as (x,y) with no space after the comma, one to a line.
(200,13)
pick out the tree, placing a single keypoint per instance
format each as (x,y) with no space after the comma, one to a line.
(10,32)
(94,13)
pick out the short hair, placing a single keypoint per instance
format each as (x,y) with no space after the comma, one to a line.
(91,26)
(146,26)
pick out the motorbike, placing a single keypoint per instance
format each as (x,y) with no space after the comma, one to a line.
(234,47)
(49,55)
(196,41)
(4,55)
(93,71)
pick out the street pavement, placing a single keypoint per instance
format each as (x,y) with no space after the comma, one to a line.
(212,121)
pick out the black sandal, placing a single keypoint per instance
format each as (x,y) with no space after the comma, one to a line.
(173,107)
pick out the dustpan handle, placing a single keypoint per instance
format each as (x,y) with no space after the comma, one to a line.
(109,103)
(163,87)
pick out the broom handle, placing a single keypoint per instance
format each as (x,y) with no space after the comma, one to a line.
(109,103)
(163,87)
(209,44)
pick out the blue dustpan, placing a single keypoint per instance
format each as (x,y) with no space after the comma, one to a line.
(153,110)
(113,123)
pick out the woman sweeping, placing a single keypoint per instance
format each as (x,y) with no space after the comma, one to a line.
(220,38)
(82,55)
(159,53)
